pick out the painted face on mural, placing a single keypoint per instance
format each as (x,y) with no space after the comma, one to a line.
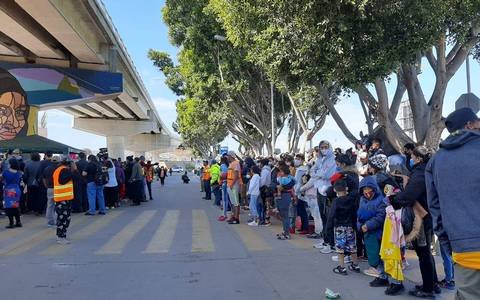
(13,114)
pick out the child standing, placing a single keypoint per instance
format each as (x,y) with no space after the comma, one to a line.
(343,217)
(309,193)
(371,217)
(286,182)
(254,192)
(11,193)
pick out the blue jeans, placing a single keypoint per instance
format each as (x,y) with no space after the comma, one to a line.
(95,192)
(253,205)
(283,206)
(446,252)
(226,200)
(217,193)
(260,211)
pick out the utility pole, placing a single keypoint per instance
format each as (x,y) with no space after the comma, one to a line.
(469,87)
(273,118)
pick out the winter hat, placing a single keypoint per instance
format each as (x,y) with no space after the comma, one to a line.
(378,161)
(340,185)
(459,118)
(344,159)
(336,177)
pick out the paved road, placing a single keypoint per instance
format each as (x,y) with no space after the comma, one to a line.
(170,248)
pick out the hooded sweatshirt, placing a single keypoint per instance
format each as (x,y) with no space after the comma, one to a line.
(452,178)
(323,169)
(371,211)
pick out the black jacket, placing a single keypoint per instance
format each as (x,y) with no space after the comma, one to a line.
(343,212)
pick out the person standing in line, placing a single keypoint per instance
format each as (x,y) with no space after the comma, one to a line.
(325,166)
(96,180)
(254,193)
(82,164)
(453,198)
(120,175)
(233,187)
(31,177)
(265,191)
(128,174)
(12,178)
(143,190)
(148,169)
(223,178)
(63,196)
(48,183)
(111,188)
(300,171)
(47,161)
(136,182)
(215,182)
(206,181)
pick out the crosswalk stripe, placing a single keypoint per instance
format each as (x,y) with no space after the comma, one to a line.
(251,239)
(201,236)
(83,233)
(27,227)
(163,237)
(30,242)
(118,242)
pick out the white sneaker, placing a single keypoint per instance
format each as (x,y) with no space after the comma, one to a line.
(371,272)
(326,250)
(253,223)
(319,246)
(63,241)
(347,259)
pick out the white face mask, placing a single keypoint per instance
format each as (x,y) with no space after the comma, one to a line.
(248,176)
(324,152)
(297,162)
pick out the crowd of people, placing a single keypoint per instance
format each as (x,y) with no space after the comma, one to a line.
(57,186)
(366,206)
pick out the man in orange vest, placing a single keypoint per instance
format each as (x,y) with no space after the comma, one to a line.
(63,196)
(206,181)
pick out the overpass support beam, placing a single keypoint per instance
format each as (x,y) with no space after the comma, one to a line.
(116,146)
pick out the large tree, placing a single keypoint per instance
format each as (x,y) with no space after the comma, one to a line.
(356,46)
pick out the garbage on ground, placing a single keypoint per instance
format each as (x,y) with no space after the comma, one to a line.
(329,294)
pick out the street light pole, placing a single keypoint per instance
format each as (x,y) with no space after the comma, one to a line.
(469,87)
(273,118)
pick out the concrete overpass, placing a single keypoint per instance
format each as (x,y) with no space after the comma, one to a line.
(77,39)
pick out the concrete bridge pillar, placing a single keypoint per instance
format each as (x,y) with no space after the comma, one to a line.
(116,146)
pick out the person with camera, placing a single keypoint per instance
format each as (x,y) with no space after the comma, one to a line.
(63,197)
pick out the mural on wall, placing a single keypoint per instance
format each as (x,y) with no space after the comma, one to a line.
(25,88)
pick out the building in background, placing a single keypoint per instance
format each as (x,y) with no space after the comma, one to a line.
(405,119)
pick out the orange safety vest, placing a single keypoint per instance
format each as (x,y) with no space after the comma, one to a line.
(231,175)
(206,173)
(61,192)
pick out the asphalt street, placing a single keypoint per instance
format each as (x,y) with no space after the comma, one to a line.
(169,248)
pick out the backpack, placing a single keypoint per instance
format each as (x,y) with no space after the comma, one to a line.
(101,175)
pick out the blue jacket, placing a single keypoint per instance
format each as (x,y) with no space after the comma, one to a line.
(452,178)
(371,212)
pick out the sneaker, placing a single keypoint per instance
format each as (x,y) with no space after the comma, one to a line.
(341,271)
(234,221)
(90,214)
(319,245)
(449,285)
(347,259)
(63,241)
(266,224)
(253,223)
(221,218)
(394,289)
(326,250)
(421,294)
(315,236)
(18,225)
(371,272)
(354,268)
(379,282)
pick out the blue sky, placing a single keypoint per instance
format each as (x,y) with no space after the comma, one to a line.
(141,28)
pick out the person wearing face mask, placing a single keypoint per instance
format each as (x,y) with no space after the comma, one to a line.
(453,181)
(407,151)
(322,171)
(415,191)
(370,219)
(300,171)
